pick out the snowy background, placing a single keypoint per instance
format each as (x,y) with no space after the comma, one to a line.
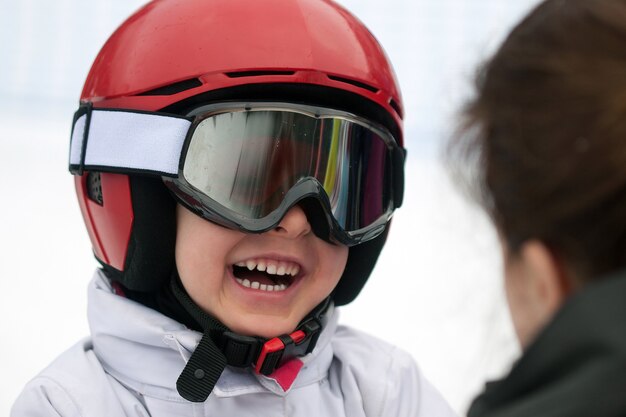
(436,291)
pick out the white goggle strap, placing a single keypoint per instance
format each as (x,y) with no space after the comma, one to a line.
(126,141)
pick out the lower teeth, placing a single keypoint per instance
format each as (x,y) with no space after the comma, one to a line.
(263,287)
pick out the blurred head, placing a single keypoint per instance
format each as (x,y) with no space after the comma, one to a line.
(546,136)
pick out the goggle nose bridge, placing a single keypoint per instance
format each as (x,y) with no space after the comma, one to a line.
(315,203)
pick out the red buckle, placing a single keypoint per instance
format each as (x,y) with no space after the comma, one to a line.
(274,349)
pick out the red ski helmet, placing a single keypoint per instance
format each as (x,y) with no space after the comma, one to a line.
(174,55)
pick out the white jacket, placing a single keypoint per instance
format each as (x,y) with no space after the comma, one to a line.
(130,365)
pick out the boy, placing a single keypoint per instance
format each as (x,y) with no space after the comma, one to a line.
(237,163)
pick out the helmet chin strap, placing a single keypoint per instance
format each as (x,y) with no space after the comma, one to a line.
(220,347)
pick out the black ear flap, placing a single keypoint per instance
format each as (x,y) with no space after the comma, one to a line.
(361,261)
(150,257)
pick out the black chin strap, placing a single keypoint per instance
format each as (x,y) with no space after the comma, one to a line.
(220,347)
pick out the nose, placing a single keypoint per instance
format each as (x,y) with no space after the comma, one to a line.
(294,224)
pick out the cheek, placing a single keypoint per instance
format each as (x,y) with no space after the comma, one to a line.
(333,261)
(512,297)
(190,245)
(520,305)
(201,249)
(196,265)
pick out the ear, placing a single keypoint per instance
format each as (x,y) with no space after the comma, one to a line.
(547,284)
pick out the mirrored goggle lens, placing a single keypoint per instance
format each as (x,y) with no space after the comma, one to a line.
(247,161)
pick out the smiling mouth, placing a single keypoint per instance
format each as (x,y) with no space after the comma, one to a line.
(266,275)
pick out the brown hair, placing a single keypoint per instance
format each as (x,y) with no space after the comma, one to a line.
(547,134)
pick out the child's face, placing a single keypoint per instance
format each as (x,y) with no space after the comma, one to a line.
(207,255)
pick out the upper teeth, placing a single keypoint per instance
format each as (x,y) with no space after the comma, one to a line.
(271,267)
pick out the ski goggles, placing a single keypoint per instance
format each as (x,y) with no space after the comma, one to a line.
(244,165)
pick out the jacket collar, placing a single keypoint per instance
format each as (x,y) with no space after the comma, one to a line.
(147,351)
(575,367)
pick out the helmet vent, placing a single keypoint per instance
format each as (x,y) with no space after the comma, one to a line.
(94,188)
(354,82)
(173,88)
(394,105)
(239,74)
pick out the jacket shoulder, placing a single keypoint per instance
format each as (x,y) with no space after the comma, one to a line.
(74,384)
(386,378)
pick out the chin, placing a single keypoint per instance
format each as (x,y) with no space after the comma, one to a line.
(266,328)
